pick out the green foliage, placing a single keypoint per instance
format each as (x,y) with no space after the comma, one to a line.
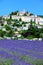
(17,23)
(21,37)
(32,22)
(24,14)
(34,31)
(31,14)
(2,33)
(23,57)
(8,27)
(14,13)
(27,58)
(20,19)
(30,37)
(22,31)
(40,16)
(24,22)
(8,21)
(0,18)
(38,62)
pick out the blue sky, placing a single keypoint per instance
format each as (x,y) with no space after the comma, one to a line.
(34,6)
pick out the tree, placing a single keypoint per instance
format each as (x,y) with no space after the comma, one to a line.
(2,33)
(31,14)
(8,21)
(24,14)
(32,30)
(0,18)
(31,23)
(11,33)
(20,19)
(14,13)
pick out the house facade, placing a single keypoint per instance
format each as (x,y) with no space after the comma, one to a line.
(27,18)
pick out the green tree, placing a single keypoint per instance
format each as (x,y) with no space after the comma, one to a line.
(25,14)
(14,13)
(2,33)
(8,21)
(20,19)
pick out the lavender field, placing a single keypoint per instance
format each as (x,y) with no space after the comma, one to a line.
(21,52)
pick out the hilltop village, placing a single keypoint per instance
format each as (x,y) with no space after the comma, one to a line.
(21,26)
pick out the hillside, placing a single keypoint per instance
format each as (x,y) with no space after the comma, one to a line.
(21,25)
